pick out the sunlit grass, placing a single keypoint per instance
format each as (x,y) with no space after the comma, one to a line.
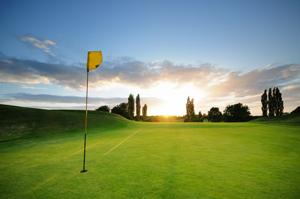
(156,160)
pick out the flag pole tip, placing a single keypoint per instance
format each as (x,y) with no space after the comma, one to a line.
(83,171)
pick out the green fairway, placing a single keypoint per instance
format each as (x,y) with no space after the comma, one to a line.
(151,160)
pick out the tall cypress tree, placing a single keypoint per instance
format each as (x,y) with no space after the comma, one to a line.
(200,115)
(190,111)
(271,103)
(144,111)
(280,105)
(138,107)
(131,107)
(264,104)
(275,101)
(279,102)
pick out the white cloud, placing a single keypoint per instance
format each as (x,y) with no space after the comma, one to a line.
(44,45)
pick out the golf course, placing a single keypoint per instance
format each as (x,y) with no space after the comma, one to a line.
(42,150)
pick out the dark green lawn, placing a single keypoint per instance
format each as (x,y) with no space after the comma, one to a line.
(154,160)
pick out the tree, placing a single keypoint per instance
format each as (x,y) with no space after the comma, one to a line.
(200,114)
(278,101)
(138,107)
(264,103)
(144,111)
(271,103)
(121,109)
(104,108)
(190,111)
(214,115)
(236,113)
(131,106)
(200,117)
(275,102)
(281,106)
(187,109)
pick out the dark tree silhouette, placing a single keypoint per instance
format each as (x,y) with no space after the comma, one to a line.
(190,111)
(275,102)
(131,106)
(138,107)
(214,115)
(192,108)
(200,115)
(236,113)
(121,109)
(264,103)
(271,103)
(145,111)
(104,108)
(281,105)
(278,102)
(187,108)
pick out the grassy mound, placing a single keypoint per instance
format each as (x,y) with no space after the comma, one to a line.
(18,122)
(291,119)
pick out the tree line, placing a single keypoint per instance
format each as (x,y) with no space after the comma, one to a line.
(130,110)
(272,106)
(232,113)
(272,103)
(271,100)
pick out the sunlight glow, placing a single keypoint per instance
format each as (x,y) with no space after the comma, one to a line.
(174,97)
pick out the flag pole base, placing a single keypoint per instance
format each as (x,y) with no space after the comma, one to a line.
(83,171)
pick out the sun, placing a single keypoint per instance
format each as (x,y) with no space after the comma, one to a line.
(174,97)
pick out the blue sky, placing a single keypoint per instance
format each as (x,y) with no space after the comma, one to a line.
(234,36)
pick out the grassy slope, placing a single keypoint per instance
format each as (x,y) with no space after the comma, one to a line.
(286,119)
(16,122)
(156,160)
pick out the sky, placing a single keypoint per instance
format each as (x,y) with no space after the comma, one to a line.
(217,52)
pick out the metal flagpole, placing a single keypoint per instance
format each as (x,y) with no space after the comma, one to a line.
(86,121)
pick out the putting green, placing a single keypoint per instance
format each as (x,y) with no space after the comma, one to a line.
(156,160)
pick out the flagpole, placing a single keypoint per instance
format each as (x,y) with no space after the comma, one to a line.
(94,59)
(86,121)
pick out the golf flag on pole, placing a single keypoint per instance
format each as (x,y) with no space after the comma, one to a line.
(94,60)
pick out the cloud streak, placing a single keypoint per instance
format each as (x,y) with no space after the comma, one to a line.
(43,45)
(250,83)
(34,72)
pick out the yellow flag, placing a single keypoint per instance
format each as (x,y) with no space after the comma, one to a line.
(94,60)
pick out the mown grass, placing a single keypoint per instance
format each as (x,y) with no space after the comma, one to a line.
(19,122)
(155,160)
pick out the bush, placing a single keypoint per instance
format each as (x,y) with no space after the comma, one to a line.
(236,113)
(103,109)
(214,115)
(121,109)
